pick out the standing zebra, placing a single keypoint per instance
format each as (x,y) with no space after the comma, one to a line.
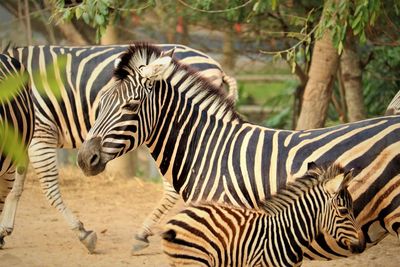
(196,138)
(16,129)
(64,122)
(212,234)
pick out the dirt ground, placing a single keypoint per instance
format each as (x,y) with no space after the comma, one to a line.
(114,208)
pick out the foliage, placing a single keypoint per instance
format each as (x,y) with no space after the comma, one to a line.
(281,117)
(381,80)
(343,15)
(285,29)
(98,13)
(11,141)
(10,138)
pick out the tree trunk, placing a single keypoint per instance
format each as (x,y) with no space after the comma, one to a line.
(185,33)
(318,90)
(228,50)
(71,34)
(28,23)
(110,36)
(168,25)
(352,80)
(124,166)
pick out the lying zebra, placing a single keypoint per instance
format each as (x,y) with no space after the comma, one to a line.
(16,128)
(213,234)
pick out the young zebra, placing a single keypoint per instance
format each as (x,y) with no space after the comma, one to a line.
(213,234)
(16,116)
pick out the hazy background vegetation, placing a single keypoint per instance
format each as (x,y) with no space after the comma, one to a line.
(269,46)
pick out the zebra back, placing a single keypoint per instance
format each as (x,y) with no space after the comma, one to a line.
(211,234)
(88,71)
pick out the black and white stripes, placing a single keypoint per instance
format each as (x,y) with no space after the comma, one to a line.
(200,143)
(63,122)
(211,234)
(17,123)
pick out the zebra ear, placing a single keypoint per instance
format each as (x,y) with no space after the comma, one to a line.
(168,53)
(348,177)
(156,69)
(334,185)
(116,62)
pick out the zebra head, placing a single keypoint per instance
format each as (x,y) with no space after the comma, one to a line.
(126,109)
(337,219)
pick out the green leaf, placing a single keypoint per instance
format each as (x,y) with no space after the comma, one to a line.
(55,77)
(67,15)
(99,19)
(355,22)
(78,12)
(256,5)
(13,145)
(363,38)
(86,17)
(276,57)
(11,85)
(293,65)
(340,47)
(273,4)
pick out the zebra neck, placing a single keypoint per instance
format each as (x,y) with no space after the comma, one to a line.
(187,122)
(296,223)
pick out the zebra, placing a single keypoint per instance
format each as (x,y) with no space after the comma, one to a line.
(196,137)
(16,128)
(318,203)
(64,122)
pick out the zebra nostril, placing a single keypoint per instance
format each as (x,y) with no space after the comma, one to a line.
(94,159)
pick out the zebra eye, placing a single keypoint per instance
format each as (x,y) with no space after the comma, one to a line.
(131,106)
(343,211)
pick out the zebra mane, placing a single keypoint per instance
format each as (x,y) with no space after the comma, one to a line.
(9,45)
(294,190)
(140,54)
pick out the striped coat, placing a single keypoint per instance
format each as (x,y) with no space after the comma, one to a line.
(16,132)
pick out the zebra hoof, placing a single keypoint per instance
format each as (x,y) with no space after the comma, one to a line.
(89,241)
(138,245)
(2,243)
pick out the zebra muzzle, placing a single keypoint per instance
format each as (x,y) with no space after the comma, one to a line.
(357,246)
(89,157)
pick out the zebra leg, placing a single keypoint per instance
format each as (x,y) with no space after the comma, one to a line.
(168,200)
(6,184)
(44,160)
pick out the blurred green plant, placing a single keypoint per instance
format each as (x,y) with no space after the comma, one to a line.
(47,82)
(52,79)
(381,79)
(11,141)
(282,113)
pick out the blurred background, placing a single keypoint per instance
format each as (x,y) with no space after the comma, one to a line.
(276,50)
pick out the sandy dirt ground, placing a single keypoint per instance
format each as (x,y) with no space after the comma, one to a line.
(114,208)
